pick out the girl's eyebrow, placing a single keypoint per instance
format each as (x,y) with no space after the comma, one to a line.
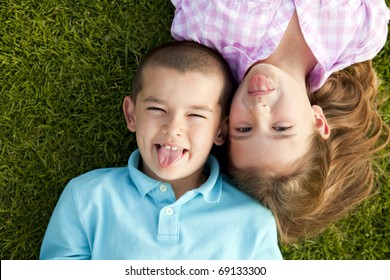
(275,137)
(239,137)
(283,136)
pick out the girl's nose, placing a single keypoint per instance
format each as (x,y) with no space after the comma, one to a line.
(257,104)
(264,107)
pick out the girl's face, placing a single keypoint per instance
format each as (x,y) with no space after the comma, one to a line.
(271,121)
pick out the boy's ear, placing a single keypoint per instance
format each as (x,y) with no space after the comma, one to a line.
(129,111)
(222,132)
(320,122)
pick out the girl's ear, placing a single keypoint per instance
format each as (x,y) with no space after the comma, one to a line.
(129,111)
(320,122)
(222,132)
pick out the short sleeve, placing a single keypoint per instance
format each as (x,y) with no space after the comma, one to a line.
(176,3)
(65,237)
(268,249)
(374,29)
(348,32)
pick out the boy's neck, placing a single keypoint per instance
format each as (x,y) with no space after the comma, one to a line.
(181,186)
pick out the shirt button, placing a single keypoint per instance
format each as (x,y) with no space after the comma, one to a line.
(169,211)
(163,188)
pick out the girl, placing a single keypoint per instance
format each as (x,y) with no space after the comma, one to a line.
(300,137)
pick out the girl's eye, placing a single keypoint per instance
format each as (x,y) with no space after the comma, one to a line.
(282,128)
(244,129)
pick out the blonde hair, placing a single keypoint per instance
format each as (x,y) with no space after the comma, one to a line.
(336,174)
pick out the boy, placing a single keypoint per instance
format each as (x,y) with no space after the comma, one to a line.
(170,202)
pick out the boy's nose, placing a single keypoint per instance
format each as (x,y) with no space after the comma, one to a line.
(172,128)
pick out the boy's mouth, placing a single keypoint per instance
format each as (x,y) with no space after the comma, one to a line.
(168,155)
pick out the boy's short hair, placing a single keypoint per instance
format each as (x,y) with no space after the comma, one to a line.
(186,56)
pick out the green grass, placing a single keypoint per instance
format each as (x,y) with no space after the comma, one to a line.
(65,67)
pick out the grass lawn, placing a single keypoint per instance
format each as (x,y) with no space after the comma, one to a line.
(65,66)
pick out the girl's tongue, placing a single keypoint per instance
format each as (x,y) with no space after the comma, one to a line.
(168,155)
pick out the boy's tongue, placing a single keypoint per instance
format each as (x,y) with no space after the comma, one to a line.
(167,157)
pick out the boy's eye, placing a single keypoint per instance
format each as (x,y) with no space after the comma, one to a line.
(244,129)
(155,109)
(282,128)
(196,116)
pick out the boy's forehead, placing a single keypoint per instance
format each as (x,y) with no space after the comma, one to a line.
(205,71)
(154,71)
(163,83)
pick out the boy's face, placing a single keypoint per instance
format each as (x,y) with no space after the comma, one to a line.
(177,119)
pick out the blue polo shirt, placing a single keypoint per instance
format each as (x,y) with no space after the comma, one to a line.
(120,213)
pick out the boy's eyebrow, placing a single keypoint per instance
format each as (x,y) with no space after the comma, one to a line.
(202,108)
(194,107)
(152,99)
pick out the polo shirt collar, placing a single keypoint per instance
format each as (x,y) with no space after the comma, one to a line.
(143,182)
(211,189)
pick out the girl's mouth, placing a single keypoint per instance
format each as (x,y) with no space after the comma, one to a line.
(260,85)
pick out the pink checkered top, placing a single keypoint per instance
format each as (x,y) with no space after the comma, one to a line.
(339,32)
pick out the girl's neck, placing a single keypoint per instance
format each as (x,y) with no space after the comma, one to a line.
(293,55)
